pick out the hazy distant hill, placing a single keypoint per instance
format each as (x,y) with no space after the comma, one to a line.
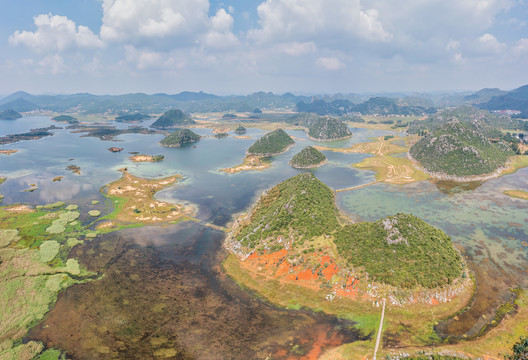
(514,100)
(156,103)
(374,105)
(19,104)
(9,115)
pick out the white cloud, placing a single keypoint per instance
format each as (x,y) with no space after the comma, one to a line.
(52,64)
(488,43)
(56,33)
(220,34)
(330,63)
(134,21)
(322,20)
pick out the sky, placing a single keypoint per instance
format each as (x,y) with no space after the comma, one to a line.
(243,46)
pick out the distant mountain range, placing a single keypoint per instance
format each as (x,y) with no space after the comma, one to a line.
(337,104)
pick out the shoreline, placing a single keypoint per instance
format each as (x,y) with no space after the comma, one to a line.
(462,179)
(313,166)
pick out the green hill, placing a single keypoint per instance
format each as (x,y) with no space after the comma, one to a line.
(179,138)
(301,207)
(399,250)
(462,146)
(272,143)
(65,119)
(309,157)
(328,128)
(9,115)
(173,119)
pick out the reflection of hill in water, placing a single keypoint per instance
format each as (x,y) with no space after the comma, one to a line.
(453,187)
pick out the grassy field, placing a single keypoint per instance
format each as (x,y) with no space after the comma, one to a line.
(517,194)
(394,170)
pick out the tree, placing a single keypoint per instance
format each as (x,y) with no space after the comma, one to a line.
(520,350)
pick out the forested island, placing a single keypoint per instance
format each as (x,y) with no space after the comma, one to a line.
(179,138)
(273,143)
(309,157)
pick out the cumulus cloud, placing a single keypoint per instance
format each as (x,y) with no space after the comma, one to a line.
(323,20)
(220,33)
(134,21)
(330,63)
(56,33)
(488,43)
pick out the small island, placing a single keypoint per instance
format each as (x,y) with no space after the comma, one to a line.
(179,138)
(9,115)
(74,168)
(461,146)
(68,119)
(308,158)
(273,143)
(115,149)
(146,158)
(221,135)
(258,155)
(173,119)
(240,130)
(8,152)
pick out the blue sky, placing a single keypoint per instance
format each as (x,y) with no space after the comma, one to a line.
(224,47)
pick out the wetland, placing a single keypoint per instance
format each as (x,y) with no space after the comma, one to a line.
(156,288)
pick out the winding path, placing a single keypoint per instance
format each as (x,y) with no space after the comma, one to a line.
(379,330)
